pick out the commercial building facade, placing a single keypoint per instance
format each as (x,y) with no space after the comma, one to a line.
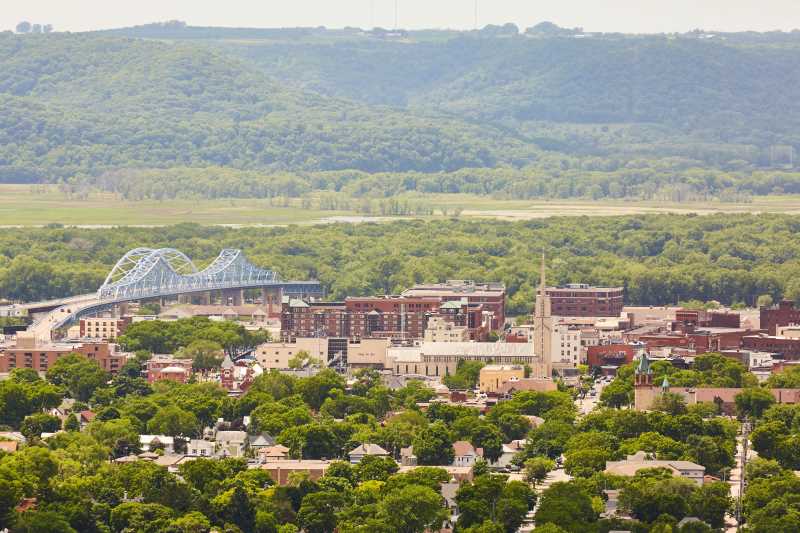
(783,314)
(390,317)
(492,377)
(491,296)
(439,359)
(104,328)
(41,357)
(363,353)
(578,299)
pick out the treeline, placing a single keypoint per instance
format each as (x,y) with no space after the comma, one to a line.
(553,178)
(658,259)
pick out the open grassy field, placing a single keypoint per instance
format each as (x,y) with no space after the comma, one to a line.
(19,206)
(23,205)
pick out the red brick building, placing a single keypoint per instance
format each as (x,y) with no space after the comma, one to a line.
(788,347)
(582,300)
(783,314)
(42,357)
(491,295)
(164,367)
(610,355)
(657,340)
(687,320)
(395,317)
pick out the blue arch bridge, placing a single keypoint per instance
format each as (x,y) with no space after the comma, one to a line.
(166,273)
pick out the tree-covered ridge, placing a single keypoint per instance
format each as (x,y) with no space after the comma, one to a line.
(493,112)
(716,90)
(83,103)
(657,259)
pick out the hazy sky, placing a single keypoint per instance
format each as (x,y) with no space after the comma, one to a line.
(644,16)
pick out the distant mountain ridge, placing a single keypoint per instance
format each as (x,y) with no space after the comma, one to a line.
(83,103)
(549,112)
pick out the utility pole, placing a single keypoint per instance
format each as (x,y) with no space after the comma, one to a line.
(396,9)
(476,14)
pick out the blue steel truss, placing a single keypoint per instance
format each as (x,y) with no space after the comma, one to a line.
(152,273)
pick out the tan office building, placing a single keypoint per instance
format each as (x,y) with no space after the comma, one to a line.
(493,377)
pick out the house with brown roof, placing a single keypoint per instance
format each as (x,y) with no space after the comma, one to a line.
(464,454)
(273,453)
(281,471)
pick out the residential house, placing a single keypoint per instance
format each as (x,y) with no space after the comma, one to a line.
(172,462)
(407,457)
(260,441)
(366,449)
(465,454)
(149,443)
(641,460)
(86,417)
(273,453)
(64,409)
(509,451)
(13,435)
(200,448)
(281,471)
(231,443)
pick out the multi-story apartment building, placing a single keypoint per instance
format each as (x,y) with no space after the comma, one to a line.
(491,295)
(103,327)
(41,357)
(568,351)
(441,330)
(578,299)
(390,317)
(783,314)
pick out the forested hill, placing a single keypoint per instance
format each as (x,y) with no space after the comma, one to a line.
(711,90)
(546,113)
(86,103)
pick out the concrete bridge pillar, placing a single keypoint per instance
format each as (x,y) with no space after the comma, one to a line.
(272,297)
(232,296)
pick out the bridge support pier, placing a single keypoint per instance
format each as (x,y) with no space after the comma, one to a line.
(232,296)
(273,299)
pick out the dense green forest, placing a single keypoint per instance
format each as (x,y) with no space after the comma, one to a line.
(82,103)
(659,259)
(168,110)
